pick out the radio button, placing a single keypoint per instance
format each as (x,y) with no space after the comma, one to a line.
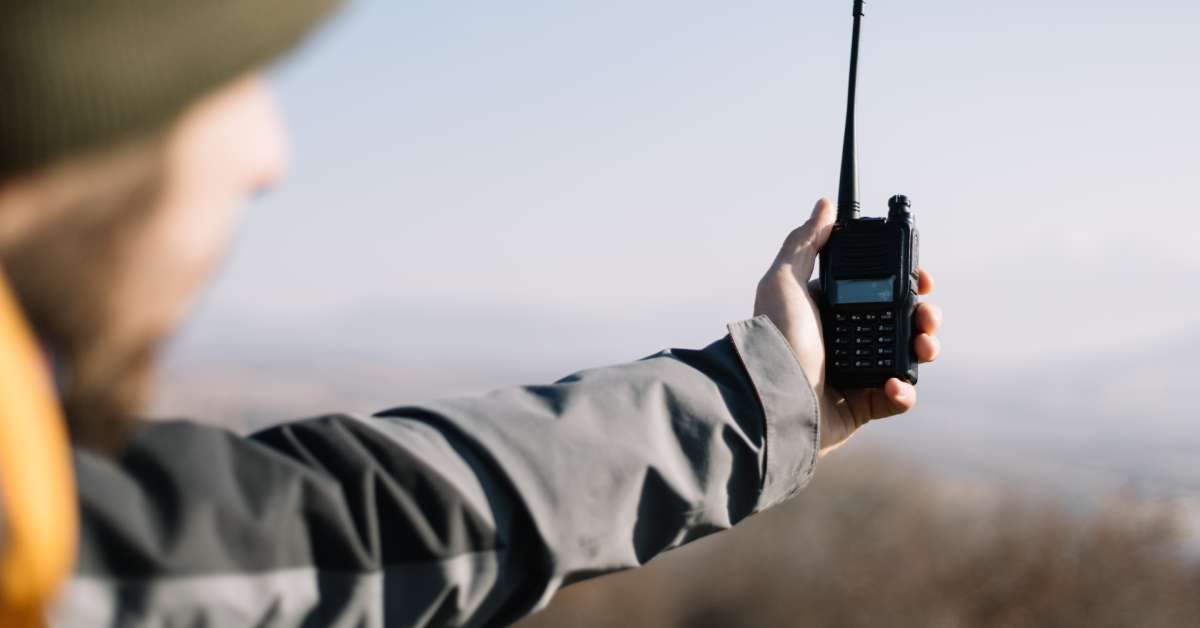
(887,316)
(884,351)
(863,352)
(864,329)
(839,317)
(886,339)
(841,353)
(863,364)
(856,317)
(842,364)
(887,327)
(863,341)
(871,316)
(841,340)
(887,363)
(841,329)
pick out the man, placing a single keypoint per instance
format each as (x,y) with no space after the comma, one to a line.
(128,133)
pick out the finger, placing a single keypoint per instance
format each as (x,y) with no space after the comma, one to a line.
(928,318)
(804,242)
(814,289)
(868,404)
(926,347)
(902,396)
(924,282)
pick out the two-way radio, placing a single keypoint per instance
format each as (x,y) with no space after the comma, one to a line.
(868,275)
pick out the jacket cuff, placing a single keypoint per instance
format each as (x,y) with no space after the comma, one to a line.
(789,405)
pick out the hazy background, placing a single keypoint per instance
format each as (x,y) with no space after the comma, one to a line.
(492,193)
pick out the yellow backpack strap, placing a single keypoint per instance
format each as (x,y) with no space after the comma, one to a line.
(37,485)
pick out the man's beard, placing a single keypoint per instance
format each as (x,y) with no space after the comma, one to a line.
(104,371)
(67,275)
(101,399)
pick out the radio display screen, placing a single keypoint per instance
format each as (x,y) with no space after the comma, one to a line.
(863,291)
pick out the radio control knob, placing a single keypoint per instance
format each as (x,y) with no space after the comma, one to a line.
(898,206)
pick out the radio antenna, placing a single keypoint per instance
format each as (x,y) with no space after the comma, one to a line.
(848,188)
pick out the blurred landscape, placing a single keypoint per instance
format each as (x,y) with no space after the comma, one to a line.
(875,542)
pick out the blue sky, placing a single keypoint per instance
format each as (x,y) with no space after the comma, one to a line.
(601,180)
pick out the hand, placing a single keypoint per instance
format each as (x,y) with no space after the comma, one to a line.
(788,299)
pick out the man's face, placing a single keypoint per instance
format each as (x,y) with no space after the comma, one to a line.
(106,280)
(224,150)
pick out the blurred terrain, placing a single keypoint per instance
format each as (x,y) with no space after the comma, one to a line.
(874,542)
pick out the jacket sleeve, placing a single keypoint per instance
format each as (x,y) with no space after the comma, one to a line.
(469,511)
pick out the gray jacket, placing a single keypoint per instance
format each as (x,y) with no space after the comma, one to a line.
(464,512)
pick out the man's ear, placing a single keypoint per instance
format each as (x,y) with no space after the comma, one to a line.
(18,209)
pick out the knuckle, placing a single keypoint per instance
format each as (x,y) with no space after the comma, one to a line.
(799,238)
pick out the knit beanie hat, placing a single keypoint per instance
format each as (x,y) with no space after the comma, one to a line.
(77,74)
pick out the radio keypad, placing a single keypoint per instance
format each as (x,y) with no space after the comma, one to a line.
(866,342)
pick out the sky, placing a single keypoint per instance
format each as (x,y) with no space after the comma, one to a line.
(481,185)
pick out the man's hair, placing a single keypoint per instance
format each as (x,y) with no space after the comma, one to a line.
(58,227)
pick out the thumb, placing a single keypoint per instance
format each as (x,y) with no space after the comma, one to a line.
(802,244)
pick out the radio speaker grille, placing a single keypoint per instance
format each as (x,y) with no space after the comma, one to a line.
(859,255)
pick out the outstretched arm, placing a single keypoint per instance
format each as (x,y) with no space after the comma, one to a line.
(467,511)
